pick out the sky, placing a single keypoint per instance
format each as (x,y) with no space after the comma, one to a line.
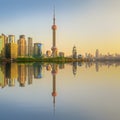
(87,24)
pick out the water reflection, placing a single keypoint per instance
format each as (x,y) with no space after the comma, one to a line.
(82,91)
(24,73)
(54,92)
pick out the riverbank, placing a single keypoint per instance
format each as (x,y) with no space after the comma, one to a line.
(50,59)
(56,59)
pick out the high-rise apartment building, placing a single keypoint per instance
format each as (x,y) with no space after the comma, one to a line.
(2,46)
(11,38)
(5,38)
(37,49)
(11,50)
(22,46)
(30,46)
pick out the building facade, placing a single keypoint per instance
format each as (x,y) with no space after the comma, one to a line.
(11,38)
(61,54)
(74,52)
(37,49)
(5,42)
(97,53)
(2,46)
(30,46)
(11,48)
(22,46)
(48,53)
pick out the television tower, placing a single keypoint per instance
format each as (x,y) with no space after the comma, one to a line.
(54,28)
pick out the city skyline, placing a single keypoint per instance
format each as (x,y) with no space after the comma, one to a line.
(87,24)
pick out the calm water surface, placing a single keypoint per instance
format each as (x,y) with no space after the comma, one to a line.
(76,91)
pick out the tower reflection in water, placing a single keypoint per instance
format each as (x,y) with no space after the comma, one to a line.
(54,92)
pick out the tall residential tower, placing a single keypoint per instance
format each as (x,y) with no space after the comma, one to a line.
(11,50)
(22,46)
(30,46)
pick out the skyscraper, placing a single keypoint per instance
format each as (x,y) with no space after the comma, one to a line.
(54,28)
(37,49)
(5,42)
(5,38)
(30,46)
(1,45)
(97,53)
(74,52)
(22,46)
(11,50)
(11,38)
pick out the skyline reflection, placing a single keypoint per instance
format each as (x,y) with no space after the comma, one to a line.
(25,73)
(71,91)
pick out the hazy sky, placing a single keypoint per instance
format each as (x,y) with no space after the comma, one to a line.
(87,24)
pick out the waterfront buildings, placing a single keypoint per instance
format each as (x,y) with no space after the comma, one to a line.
(2,46)
(30,46)
(74,52)
(11,38)
(48,53)
(61,54)
(11,50)
(22,46)
(5,38)
(5,41)
(97,53)
(37,49)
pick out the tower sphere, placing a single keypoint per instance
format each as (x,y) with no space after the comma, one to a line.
(54,27)
(54,72)
(54,94)
(54,49)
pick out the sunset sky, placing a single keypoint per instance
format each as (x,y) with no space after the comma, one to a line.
(87,24)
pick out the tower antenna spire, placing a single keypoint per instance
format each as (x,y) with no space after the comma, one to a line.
(54,28)
(54,14)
